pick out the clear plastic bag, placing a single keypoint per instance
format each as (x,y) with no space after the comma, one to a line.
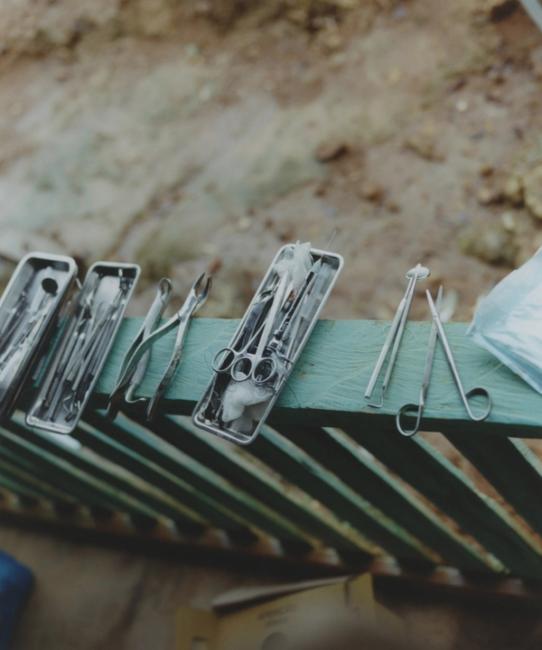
(508,322)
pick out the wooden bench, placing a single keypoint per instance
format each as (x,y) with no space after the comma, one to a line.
(329,482)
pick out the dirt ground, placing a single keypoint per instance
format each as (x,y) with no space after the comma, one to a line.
(186,134)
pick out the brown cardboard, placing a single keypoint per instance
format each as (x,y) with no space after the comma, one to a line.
(251,618)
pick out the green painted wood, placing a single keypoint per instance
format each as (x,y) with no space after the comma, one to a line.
(9,465)
(330,377)
(510,467)
(198,477)
(225,460)
(154,474)
(418,463)
(300,469)
(346,460)
(59,472)
(156,502)
(20,487)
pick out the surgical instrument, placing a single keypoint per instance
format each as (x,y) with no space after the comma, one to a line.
(196,297)
(83,346)
(125,389)
(478,391)
(234,408)
(416,410)
(394,337)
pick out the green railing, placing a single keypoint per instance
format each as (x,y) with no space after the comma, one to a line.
(328,482)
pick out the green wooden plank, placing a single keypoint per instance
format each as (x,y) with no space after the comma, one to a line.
(336,452)
(223,459)
(198,477)
(301,470)
(59,472)
(330,377)
(418,463)
(155,475)
(9,465)
(155,502)
(48,470)
(12,482)
(510,467)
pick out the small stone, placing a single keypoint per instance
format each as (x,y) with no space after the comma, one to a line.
(498,10)
(489,196)
(393,206)
(532,184)
(424,144)
(508,221)
(486,170)
(243,223)
(330,151)
(372,192)
(491,243)
(462,105)
(513,190)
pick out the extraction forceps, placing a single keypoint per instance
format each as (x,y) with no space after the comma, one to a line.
(126,388)
(196,297)
(416,410)
(394,337)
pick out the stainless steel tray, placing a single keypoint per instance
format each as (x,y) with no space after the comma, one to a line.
(29,308)
(83,347)
(207,414)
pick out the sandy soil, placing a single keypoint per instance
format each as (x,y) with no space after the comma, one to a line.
(187,134)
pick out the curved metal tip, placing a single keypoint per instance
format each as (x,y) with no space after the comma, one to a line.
(165,286)
(202,286)
(375,404)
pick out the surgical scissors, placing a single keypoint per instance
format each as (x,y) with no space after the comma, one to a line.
(416,410)
(262,365)
(196,297)
(242,364)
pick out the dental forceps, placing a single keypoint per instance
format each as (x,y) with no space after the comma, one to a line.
(131,371)
(394,337)
(416,410)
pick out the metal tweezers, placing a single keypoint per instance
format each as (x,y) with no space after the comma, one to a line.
(414,412)
(137,358)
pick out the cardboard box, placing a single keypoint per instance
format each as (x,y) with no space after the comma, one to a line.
(266,617)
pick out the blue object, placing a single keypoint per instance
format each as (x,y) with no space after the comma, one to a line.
(16,583)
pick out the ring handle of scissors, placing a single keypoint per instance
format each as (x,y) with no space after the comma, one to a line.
(409,411)
(224,359)
(250,367)
(477,392)
(264,370)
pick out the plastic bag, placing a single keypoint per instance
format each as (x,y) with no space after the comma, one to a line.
(508,322)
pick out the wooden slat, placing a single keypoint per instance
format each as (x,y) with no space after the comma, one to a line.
(9,465)
(344,459)
(153,474)
(154,501)
(90,491)
(58,474)
(330,378)
(418,463)
(198,477)
(300,469)
(510,467)
(218,455)
(10,481)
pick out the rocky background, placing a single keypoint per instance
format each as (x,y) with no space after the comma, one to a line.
(184,134)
